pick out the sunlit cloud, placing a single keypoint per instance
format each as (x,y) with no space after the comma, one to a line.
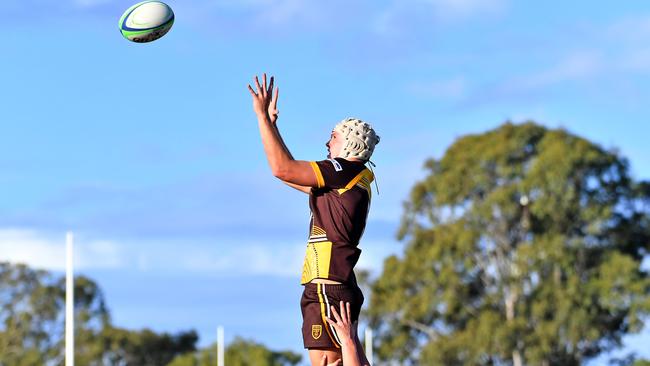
(576,66)
(629,38)
(630,29)
(220,257)
(47,251)
(400,17)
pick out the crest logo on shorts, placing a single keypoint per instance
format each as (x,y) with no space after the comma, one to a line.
(316,331)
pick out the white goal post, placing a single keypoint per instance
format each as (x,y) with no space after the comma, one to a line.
(69,300)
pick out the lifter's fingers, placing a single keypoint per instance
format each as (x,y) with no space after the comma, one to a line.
(343,313)
(275,98)
(270,89)
(336,315)
(347,305)
(250,88)
(264,83)
(257,83)
(332,322)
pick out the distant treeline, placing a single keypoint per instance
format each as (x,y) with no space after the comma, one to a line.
(32,309)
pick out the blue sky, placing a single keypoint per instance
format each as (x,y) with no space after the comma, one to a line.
(150,152)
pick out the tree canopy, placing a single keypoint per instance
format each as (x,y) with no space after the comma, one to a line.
(32,306)
(240,352)
(523,245)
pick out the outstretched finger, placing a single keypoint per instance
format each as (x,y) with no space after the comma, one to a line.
(257,83)
(344,319)
(270,89)
(275,98)
(333,323)
(264,84)
(250,88)
(336,315)
(349,318)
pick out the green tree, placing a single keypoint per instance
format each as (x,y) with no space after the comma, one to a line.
(142,348)
(32,325)
(32,316)
(523,245)
(23,340)
(240,352)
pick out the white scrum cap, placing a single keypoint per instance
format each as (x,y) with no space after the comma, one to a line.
(360,139)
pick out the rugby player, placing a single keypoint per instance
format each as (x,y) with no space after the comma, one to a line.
(339,198)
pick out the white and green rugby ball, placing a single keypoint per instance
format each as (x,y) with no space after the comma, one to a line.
(146,21)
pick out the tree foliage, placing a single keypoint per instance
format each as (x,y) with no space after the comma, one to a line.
(240,352)
(523,245)
(32,306)
(143,347)
(30,311)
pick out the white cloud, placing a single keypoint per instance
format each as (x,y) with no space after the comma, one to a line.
(630,29)
(259,17)
(576,66)
(225,258)
(47,251)
(241,259)
(629,37)
(237,258)
(399,15)
(22,246)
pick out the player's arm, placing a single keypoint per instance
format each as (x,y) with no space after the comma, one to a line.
(282,164)
(361,355)
(303,189)
(273,116)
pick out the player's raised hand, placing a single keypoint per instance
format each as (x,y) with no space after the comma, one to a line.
(262,95)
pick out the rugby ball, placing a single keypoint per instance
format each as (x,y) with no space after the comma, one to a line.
(146,21)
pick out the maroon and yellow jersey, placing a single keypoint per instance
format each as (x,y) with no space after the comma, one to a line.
(339,209)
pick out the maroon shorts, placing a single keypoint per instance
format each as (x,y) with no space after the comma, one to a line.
(315,306)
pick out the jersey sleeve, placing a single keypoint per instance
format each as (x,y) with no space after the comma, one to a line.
(330,173)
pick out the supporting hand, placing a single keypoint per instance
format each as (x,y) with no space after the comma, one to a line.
(347,332)
(323,362)
(343,326)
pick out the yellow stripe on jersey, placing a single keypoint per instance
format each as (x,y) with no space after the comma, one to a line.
(319,175)
(324,316)
(317,261)
(315,230)
(364,178)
